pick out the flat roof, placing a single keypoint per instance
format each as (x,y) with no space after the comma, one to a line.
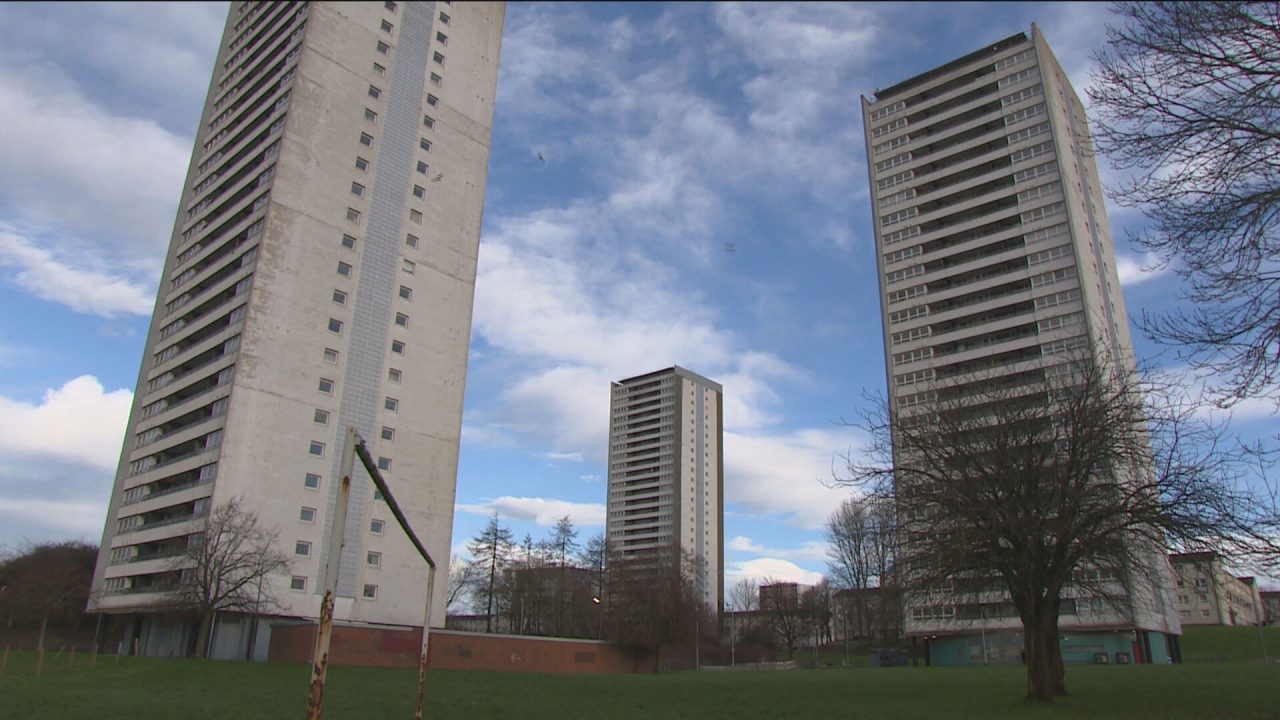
(928,75)
(673,370)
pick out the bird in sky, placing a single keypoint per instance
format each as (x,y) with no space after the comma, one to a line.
(541,158)
(730,247)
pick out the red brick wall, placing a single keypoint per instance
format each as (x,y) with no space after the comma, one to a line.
(456,650)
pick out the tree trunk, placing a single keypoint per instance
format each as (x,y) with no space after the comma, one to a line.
(202,633)
(1058,673)
(1040,677)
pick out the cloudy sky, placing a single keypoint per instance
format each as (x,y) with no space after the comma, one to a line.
(670,134)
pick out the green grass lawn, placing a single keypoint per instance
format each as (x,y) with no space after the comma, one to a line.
(143,688)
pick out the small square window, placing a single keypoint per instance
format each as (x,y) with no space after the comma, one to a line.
(316,448)
(391,404)
(370,592)
(302,548)
(425,144)
(419,191)
(370,115)
(379,70)
(408,266)
(331,356)
(384,463)
(374,559)
(394,375)
(391,6)
(437,58)
(344,269)
(436,80)
(374,92)
(357,189)
(406,292)
(402,320)
(397,347)
(415,216)
(428,121)
(339,297)
(389,434)
(375,526)
(321,417)
(383,47)
(422,167)
(444,19)
(366,139)
(442,38)
(353,215)
(298,583)
(387,27)
(326,386)
(432,100)
(411,241)
(307,515)
(362,165)
(377,495)
(335,326)
(348,242)
(311,481)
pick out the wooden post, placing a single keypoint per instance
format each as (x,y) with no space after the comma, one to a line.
(71,659)
(39,661)
(337,533)
(426,633)
(135,647)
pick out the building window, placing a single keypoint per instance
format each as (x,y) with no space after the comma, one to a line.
(384,463)
(375,526)
(444,19)
(411,241)
(353,215)
(419,191)
(339,297)
(391,404)
(442,38)
(432,100)
(344,269)
(377,495)
(307,515)
(408,266)
(370,592)
(302,548)
(387,27)
(370,115)
(402,320)
(374,92)
(436,80)
(298,583)
(415,216)
(316,448)
(394,375)
(397,347)
(1204,613)
(422,167)
(366,139)
(374,559)
(379,70)
(437,58)
(428,121)
(348,242)
(391,6)
(321,417)
(389,434)
(335,326)
(383,47)
(406,292)
(357,189)
(331,356)
(362,165)
(311,481)
(425,144)
(326,386)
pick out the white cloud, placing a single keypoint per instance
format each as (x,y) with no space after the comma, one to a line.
(86,291)
(543,511)
(785,475)
(1138,270)
(812,551)
(63,516)
(78,422)
(761,569)
(564,456)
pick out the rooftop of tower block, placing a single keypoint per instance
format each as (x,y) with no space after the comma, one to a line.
(924,77)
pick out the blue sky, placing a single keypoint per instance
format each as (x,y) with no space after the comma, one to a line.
(668,133)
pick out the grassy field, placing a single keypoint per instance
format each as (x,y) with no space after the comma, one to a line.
(144,688)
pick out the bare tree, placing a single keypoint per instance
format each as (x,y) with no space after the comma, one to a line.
(1186,96)
(47,583)
(461,579)
(563,543)
(744,596)
(861,536)
(490,550)
(653,600)
(223,569)
(1074,483)
(783,606)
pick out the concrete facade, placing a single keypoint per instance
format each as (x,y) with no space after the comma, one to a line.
(1207,594)
(996,265)
(320,275)
(666,472)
